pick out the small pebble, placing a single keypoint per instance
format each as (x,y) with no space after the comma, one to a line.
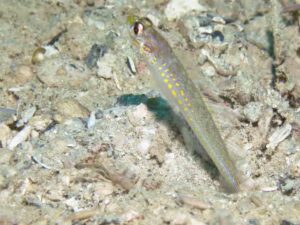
(3,182)
(144,146)
(41,122)
(280,134)
(38,55)
(41,53)
(106,65)
(139,115)
(253,222)
(288,186)
(131,65)
(244,206)
(198,35)
(6,155)
(264,122)
(6,114)
(253,111)
(194,202)
(36,160)
(177,8)
(73,203)
(99,114)
(96,52)
(129,216)
(90,2)
(218,19)
(34,134)
(5,134)
(289,146)
(104,71)
(26,115)
(294,171)
(218,35)
(103,189)
(23,74)
(71,108)
(19,137)
(92,120)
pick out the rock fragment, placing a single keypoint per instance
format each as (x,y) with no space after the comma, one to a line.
(279,135)
(92,120)
(71,108)
(26,115)
(41,122)
(106,65)
(23,74)
(131,65)
(5,134)
(6,114)
(177,8)
(19,137)
(253,111)
(97,51)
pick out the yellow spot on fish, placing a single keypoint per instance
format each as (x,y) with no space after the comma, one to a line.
(177,84)
(142,51)
(185,108)
(186,99)
(167,70)
(162,74)
(179,102)
(160,68)
(166,80)
(182,92)
(174,93)
(190,105)
(170,86)
(154,60)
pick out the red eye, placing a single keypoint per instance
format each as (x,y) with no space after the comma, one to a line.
(137,28)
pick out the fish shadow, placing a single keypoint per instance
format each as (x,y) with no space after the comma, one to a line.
(164,113)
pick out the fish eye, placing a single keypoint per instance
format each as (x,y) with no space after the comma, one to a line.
(138,28)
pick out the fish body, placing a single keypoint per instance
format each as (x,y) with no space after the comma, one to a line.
(180,91)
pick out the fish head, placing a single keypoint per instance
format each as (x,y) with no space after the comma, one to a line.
(143,34)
